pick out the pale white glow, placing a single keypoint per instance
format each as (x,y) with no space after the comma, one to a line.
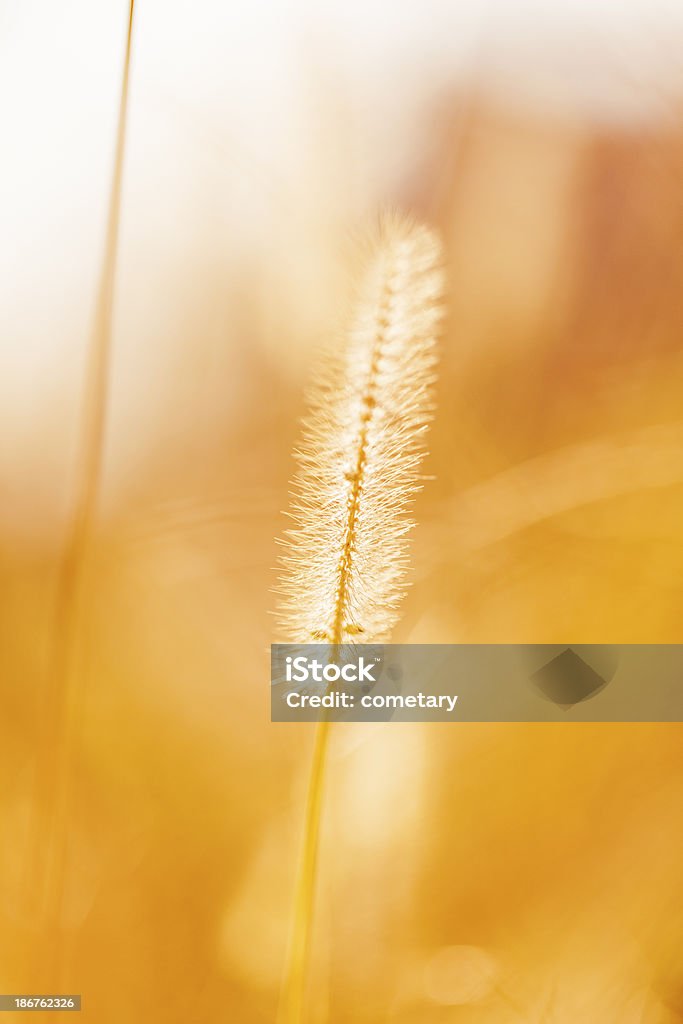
(236,108)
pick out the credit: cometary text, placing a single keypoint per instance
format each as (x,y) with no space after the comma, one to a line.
(348,701)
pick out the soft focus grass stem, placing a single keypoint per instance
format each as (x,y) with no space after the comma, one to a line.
(56,739)
(346,557)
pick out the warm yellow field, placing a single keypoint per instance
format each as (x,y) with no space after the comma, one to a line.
(151,813)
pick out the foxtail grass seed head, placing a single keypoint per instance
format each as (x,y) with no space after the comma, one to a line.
(345,561)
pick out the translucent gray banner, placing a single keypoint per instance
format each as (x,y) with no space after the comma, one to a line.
(477,683)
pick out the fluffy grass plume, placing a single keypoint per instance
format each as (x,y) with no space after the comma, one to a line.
(359,469)
(359,465)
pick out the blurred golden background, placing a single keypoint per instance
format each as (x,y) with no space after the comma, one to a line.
(480,874)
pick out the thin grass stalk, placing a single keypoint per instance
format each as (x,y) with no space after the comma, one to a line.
(48,842)
(345,560)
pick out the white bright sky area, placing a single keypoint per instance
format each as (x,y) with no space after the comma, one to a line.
(247,83)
